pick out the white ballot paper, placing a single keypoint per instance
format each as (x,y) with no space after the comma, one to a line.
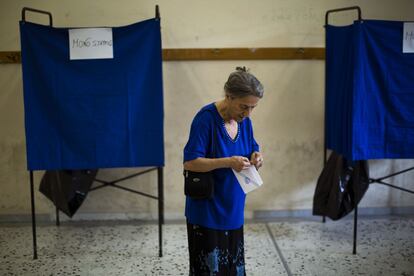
(249,179)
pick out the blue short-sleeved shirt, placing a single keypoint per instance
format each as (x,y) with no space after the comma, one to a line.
(225,211)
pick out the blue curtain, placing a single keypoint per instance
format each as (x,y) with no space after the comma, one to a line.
(369,110)
(97,113)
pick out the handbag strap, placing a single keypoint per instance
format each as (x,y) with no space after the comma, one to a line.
(213,141)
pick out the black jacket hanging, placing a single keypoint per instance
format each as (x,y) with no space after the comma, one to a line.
(67,189)
(340,185)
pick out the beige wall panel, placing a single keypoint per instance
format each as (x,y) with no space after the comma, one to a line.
(288,122)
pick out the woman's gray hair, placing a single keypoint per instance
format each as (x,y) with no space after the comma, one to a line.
(241,84)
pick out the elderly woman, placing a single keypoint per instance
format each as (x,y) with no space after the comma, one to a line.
(215,226)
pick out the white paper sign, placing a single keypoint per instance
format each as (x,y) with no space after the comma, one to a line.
(90,43)
(408,37)
(249,179)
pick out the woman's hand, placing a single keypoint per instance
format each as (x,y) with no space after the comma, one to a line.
(256,159)
(239,163)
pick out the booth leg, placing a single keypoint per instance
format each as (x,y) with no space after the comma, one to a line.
(33,216)
(355,229)
(160,207)
(57,217)
(55,197)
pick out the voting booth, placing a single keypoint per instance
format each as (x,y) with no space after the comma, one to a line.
(369,92)
(93,99)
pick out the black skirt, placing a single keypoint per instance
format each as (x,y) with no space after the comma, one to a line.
(215,252)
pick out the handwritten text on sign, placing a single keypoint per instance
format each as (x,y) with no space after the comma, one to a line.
(408,37)
(90,43)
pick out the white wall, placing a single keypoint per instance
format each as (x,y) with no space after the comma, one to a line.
(288,122)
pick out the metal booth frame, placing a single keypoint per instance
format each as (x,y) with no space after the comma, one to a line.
(378,180)
(113,183)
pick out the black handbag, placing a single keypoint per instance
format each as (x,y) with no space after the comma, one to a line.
(200,185)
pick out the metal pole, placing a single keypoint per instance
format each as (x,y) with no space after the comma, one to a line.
(57,217)
(36,11)
(33,216)
(57,175)
(358,9)
(157,12)
(160,180)
(324,123)
(343,9)
(355,227)
(160,207)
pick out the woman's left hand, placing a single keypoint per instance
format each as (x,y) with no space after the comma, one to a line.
(256,159)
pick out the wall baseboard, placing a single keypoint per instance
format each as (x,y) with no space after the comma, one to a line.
(258,215)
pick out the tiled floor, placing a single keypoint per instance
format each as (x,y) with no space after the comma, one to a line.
(385,247)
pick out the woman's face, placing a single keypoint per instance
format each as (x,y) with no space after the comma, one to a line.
(240,108)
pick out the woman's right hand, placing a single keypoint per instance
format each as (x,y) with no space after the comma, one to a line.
(239,163)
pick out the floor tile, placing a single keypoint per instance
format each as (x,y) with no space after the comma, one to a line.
(118,250)
(261,255)
(385,247)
